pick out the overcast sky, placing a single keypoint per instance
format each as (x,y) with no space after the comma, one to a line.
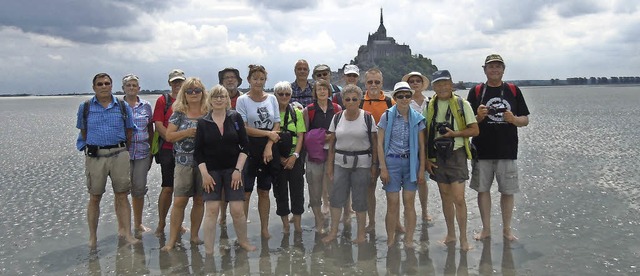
(57,46)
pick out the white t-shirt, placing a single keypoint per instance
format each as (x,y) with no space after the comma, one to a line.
(262,114)
(352,136)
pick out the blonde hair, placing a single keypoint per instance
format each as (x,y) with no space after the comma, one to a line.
(181,104)
(219,90)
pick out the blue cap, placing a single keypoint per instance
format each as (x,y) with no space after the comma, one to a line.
(441,75)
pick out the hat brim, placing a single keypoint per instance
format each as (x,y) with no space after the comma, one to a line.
(393,94)
(440,78)
(494,60)
(425,80)
(177,78)
(351,72)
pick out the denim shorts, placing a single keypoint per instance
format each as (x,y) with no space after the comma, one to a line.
(399,175)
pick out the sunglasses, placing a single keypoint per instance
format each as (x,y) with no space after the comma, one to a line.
(322,74)
(103,83)
(284,94)
(192,91)
(351,99)
(372,82)
(403,96)
(415,81)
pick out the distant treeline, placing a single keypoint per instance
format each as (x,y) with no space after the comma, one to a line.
(597,80)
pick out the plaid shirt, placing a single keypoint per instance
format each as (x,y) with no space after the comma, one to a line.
(104,125)
(142,117)
(303,96)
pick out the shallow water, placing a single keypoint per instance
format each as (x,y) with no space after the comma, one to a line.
(577,213)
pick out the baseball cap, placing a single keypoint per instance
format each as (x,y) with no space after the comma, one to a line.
(492,58)
(351,69)
(402,86)
(441,75)
(176,74)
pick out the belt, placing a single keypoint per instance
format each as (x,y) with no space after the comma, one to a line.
(404,155)
(119,145)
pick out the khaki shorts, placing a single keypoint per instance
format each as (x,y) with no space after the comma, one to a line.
(505,172)
(187,181)
(139,172)
(115,167)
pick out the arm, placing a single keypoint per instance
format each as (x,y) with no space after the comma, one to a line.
(422,157)
(291,160)
(162,130)
(518,121)
(174,135)
(331,156)
(472,130)
(384,174)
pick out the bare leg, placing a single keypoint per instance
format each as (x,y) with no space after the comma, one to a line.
(137,203)
(484,204)
(317,213)
(506,206)
(197,211)
(124,214)
(223,211)
(361,218)
(93,214)
(335,221)
(325,196)
(247,199)
(285,224)
(409,202)
(448,209)
(423,195)
(164,203)
(264,205)
(457,189)
(212,208)
(346,217)
(296,223)
(391,219)
(177,217)
(236,208)
(371,204)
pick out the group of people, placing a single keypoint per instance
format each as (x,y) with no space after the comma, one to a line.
(216,145)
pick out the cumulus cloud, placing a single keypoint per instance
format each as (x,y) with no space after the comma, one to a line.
(286,5)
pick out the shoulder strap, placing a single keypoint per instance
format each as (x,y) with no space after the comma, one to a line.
(512,87)
(388,100)
(477,89)
(369,122)
(85,115)
(311,112)
(335,107)
(336,119)
(167,102)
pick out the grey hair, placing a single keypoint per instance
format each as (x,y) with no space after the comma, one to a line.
(352,89)
(284,86)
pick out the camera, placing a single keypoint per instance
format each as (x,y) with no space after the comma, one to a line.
(442,127)
(495,110)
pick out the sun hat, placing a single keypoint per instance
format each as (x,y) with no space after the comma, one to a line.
(425,80)
(229,69)
(402,86)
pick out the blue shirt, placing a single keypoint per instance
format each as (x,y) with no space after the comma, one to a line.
(399,142)
(142,117)
(303,96)
(105,126)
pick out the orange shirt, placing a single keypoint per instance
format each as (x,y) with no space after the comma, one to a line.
(376,106)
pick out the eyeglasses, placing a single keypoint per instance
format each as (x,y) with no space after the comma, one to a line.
(377,82)
(229,78)
(324,74)
(351,99)
(131,85)
(284,94)
(403,96)
(192,91)
(103,83)
(415,81)
(219,97)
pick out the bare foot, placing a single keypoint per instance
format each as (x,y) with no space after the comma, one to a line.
(141,228)
(265,234)
(448,240)
(330,237)
(484,234)
(93,243)
(400,229)
(408,244)
(346,219)
(359,239)
(159,231)
(325,209)
(391,241)
(464,245)
(196,241)
(223,221)
(370,228)
(508,235)
(167,248)
(183,230)
(131,239)
(247,246)
(427,218)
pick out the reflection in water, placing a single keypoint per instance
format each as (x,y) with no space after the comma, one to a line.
(486,265)
(264,264)
(130,259)
(450,263)
(508,268)
(94,267)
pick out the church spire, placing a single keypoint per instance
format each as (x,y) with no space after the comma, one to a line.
(381,33)
(381,20)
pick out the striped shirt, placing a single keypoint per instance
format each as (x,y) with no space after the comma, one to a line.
(105,126)
(142,117)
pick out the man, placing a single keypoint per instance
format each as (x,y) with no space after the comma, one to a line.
(230,78)
(161,114)
(376,103)
(500,109)
(323,72)
(450,123)
(106,125)
(301,88)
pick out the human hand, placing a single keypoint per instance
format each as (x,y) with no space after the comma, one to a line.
(384,176)
(509,117)
(482,112)
(236,180)
(267,155)
(431,166)
(207,182)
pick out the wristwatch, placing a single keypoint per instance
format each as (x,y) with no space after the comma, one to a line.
(297,155)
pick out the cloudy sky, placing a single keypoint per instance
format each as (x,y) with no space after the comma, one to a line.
(57,46)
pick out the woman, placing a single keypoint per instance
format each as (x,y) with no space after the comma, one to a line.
(221,149)
(402,160)
(259,112)
(139,149)
(291,178)
(190,105)
(352,152)
(317,119)
(419,83)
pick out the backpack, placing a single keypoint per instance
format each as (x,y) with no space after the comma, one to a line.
(311,112)
(367,120)
(85,115)
(157,141)
(479,88)
(386,99)
(286,136)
